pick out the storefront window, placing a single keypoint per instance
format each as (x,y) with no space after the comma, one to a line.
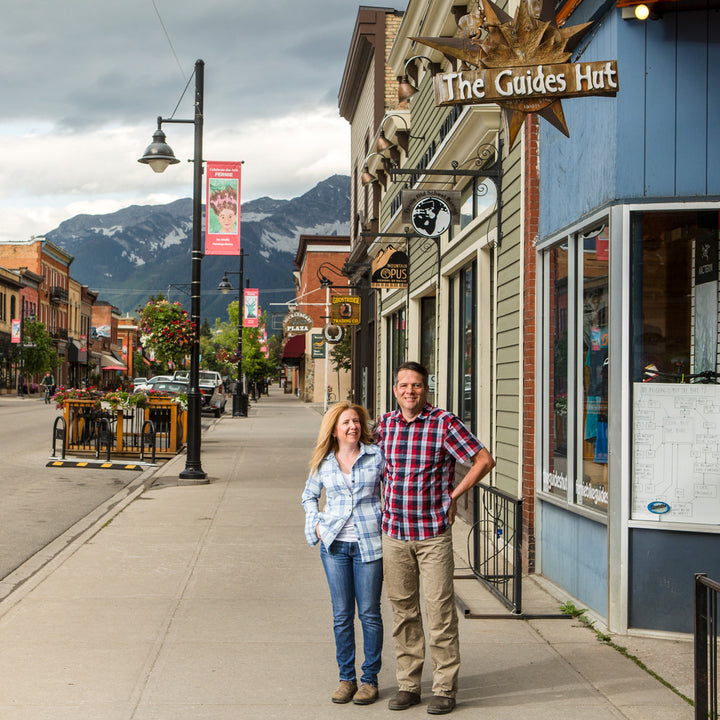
(427,341)
(478,196)
(576,369)
(592,487)
(467,344)
(396,346)
(674,362)
(555,470)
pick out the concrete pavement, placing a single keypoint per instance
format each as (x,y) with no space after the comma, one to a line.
(204,602)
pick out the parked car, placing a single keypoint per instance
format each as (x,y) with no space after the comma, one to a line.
(170,386)
(153,381)
(212,390)
(138,383)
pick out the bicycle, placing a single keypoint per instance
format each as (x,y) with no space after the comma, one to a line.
(48,395)
(330,394)
(707,377)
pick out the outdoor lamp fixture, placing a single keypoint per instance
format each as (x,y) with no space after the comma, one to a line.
(405,89)
(159,155)
(225,287)
(367,177)
(640,12)
(382,144)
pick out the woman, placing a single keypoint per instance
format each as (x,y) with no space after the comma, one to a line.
(349,467)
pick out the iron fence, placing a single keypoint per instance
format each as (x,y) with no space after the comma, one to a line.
(706,642)
(495,544)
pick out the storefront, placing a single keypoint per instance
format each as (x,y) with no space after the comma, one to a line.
(628,472)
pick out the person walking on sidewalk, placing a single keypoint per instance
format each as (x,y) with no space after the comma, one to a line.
(348,465)
(421,444)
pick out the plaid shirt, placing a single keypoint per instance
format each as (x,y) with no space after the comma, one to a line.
(419,469)
(362,503)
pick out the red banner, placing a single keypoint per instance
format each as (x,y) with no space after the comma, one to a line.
(222,209)
(252,307)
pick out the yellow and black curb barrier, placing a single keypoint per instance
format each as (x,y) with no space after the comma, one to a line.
(99,464)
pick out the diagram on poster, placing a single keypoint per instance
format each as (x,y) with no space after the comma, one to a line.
(676,458)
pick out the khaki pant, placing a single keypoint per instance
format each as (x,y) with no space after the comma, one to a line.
(405,563)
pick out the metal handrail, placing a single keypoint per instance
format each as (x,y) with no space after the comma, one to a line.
(706,642)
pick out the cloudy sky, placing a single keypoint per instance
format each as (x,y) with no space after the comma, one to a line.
(82,83)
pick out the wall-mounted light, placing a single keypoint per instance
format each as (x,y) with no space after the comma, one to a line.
(642,12)
(382,144)
(405,88)
(367,177)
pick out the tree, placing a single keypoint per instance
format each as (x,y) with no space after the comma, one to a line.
(39,354)
(341,357)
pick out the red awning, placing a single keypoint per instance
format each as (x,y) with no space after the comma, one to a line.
(294,348)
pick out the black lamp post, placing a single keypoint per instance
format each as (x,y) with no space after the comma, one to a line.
(239,407)
(159,155)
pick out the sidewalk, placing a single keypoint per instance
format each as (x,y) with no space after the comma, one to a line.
(204,602)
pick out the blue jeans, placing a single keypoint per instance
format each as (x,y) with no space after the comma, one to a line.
(353,581)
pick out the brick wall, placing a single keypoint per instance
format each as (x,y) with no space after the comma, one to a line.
(531,203)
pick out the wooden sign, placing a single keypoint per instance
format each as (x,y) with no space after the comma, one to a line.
(345,310)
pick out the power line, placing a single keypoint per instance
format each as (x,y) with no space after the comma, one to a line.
(167,35)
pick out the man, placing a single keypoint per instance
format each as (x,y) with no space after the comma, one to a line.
(421,444)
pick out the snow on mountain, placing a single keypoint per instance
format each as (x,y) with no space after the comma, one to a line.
(139,251)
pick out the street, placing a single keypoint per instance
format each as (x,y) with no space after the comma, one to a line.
(39,503)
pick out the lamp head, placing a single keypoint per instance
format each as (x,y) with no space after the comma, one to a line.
(225,287)
(367,177)
(405,89)
(382,144)
(158,154)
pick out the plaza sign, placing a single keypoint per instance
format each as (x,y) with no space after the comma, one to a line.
(297,323)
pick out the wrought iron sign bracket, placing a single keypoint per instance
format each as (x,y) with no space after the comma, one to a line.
(484,153)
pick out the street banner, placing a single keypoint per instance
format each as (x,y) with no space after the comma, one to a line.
(15,332)
(251,312)
(222,215)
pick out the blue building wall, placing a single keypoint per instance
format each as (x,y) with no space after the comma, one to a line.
(657,139)
(574,555)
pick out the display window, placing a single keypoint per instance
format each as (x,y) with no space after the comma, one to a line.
(674,363)
(575,401)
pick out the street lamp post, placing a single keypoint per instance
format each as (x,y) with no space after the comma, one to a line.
(239,408)
(159,155)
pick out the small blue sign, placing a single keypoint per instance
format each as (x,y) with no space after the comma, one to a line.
(658,507)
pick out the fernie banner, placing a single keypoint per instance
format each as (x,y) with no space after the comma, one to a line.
(251,310)
(15,332)
(222,212)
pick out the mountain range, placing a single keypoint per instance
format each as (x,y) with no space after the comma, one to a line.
(139,251)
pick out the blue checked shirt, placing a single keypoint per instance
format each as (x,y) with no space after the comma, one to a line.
(361,502)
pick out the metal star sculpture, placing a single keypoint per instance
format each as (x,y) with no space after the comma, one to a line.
(490,38)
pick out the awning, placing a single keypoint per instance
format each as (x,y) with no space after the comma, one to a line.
(109,362)
(75,353)
(294,350)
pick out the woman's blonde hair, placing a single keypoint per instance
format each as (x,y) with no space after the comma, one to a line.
(327,442)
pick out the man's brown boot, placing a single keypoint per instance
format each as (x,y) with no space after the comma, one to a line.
(403,700)
(345,692)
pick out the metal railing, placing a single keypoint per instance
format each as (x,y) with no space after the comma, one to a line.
(495,544)
(706,643)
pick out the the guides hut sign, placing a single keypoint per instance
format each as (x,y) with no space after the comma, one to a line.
(522,64)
